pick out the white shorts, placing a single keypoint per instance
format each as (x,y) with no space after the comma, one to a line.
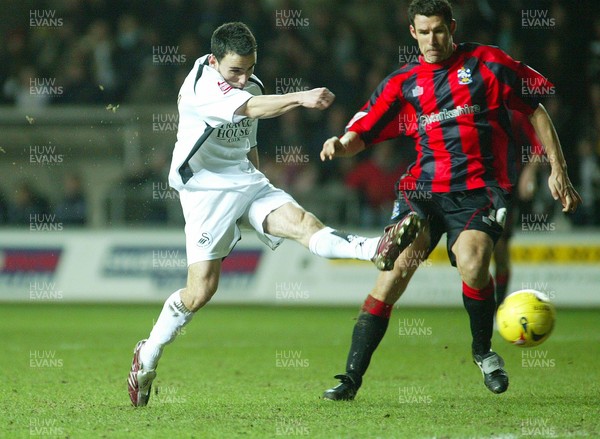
(212,216)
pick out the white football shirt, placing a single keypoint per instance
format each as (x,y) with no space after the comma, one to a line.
(210,135)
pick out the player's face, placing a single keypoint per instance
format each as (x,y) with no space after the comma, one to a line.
(434,37)
(236,69)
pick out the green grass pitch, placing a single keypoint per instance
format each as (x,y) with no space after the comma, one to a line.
(259,372)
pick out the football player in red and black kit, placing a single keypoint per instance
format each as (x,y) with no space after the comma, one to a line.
(460,96)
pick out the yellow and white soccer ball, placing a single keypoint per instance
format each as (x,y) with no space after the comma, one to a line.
(526,318)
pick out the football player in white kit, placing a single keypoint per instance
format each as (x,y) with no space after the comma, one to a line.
(214,169)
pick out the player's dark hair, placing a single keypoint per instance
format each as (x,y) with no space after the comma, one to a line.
(234,37)
(429,8)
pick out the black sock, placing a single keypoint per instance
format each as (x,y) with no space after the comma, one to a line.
(501,286)
(481,316)
(368,332)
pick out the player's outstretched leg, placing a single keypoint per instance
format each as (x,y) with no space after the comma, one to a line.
(369,329)
(382,251)
(481,306)
(293,222)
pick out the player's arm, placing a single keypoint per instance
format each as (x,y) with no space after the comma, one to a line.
(266,106)
(365,127)
(524,101)
(558,182)
(253,157)
(348,145)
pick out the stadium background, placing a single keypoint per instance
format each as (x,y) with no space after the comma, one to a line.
(65,62)
(88,116)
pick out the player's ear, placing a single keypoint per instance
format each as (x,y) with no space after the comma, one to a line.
(413,32)
(452,26)
(212,61)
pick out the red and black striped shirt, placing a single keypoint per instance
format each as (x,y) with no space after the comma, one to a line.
(458,114)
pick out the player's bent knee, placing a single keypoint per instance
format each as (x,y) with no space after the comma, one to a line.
(311,224)
(291,221)
(473,271)
(305,219)
(470,264)
(196,298)
(473,259)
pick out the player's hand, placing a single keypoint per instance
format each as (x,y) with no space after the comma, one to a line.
(562,189)
(319,98)
(331,147)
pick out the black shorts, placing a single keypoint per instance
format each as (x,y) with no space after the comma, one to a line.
(483,209)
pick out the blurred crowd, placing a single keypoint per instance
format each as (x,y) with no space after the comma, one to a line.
(138,52)
(30,207)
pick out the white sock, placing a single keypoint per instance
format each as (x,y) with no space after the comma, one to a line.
(333,244)
(172,318)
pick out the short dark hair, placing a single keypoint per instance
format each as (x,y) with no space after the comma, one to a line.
(429,8)
(234,37)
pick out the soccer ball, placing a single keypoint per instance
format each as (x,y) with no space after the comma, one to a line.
(526,318)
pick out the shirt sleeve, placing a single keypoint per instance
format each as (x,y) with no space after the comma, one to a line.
(524,88)
(378,119)
(257,90)
(531,89)
(525,133)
